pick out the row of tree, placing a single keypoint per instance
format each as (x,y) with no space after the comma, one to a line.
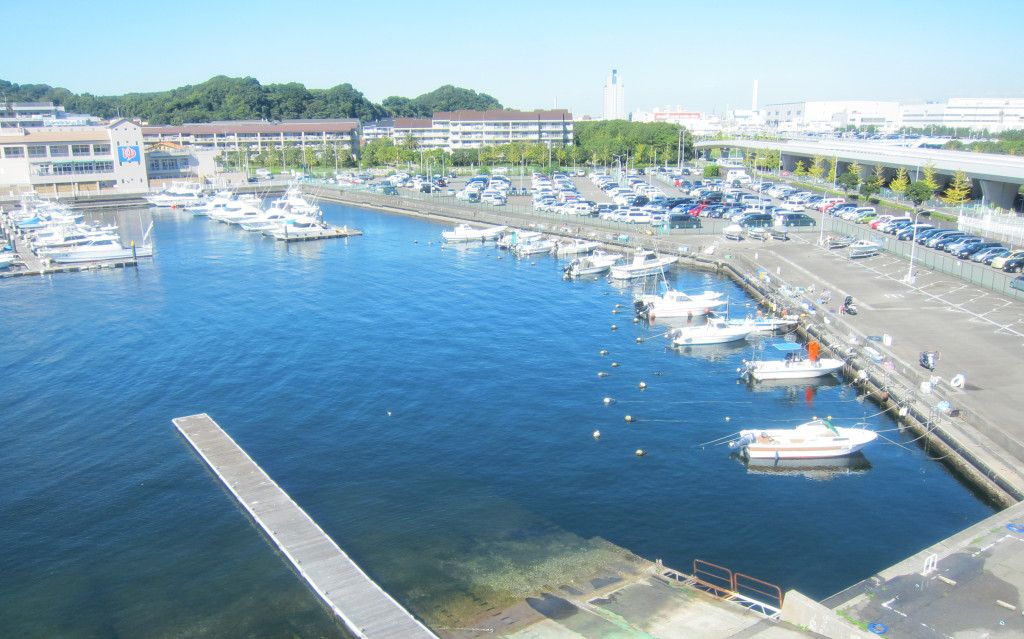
(1006,143)
(958,190)
(224,98)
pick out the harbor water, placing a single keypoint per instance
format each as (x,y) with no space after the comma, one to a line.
(432,408)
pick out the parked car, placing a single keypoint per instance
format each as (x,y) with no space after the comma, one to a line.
(909,232)
(942,235)
(969,250)
(999,261)
(944,241)
(756,220)
(1014,265)
(985,256)
(683,221)
(794,219)
(1017,283)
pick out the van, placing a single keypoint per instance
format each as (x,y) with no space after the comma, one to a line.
(263,174)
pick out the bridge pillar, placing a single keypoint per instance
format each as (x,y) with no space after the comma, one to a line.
(1000,194)
(788,162)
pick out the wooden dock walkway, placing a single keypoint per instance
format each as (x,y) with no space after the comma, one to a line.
(363,606)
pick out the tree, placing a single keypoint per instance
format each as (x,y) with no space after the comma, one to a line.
(959,190)
(711,171)
(309,157)
(878,176)
(919,192)
(834,167)
(855,169)
(800,169)
(900,183)
(817,167)
(929,177)
(849,181)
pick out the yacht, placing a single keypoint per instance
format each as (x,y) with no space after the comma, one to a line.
(467,233)
(575,246)
(296,227)
(98,250)
(510,240)
(534,247)
(178,194)
(6,260)
(818,438)
(644,263)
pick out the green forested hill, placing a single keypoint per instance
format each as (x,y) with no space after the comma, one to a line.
(224,98)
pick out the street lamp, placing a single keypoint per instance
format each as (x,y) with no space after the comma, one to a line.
(909,279)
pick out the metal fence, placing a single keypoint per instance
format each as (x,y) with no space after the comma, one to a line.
(1005,227)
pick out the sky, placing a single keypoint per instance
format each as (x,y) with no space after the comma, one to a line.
(529,54)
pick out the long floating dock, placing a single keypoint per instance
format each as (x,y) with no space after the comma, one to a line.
(363,606)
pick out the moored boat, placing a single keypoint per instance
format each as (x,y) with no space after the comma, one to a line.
(575,246)
(594,264)
(467,233)
(674,303)
(818,438)
(644,263)
(715,331)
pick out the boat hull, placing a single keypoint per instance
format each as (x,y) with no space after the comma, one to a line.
(777,370)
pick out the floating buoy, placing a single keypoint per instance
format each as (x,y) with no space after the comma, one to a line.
(615,311)
(389,413)
(639,340)
(618,306)
(958,381)
(597,434)
(602,352)
(640,452)
(602,374)
(728,419)
(636,320)
(614,327)
(607,401)
(643,385)
(615,364)
(630,419)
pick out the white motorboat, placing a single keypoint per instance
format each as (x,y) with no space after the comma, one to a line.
(575,246)
(268,220)
(295,228)
(767,325)
(98,251)
(674,303)
(794,366)
(57,244)
(178,194)
(864,248)
(818,438)
(594,264)
(219,201)
(534,247)
(715,331)
(467,233)
(644,263)
(510,239)
(6,260)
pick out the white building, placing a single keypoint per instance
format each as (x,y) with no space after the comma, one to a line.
(67,160)
(29,115)
(694,121)
(826,116)
(614,97)
(466,129)
(994,114)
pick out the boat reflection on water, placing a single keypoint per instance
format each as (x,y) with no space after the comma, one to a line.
(815,469)
(711,352)
(795,386)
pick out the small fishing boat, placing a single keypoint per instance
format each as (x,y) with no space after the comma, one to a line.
(839,242)
(534,246)
(575,246)
(818,438)
(794,366)
(6,260)
(733,232)
(509,239)
(672,303)
(715,331)
(644,263)
(767,325)
(864,248)
(594,264)
(467,233)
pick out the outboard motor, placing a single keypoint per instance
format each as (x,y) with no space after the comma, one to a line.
(928,359)
(569,270)
(744,440)
(848,306)
(642,309)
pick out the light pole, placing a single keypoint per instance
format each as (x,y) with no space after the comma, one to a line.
(909,279)
(679,150)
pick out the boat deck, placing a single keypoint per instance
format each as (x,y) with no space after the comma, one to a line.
(363,606)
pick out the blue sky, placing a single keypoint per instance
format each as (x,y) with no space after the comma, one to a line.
(528,54)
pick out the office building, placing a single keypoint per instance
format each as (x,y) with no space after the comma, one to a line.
(614,97)
(466,129)
(993,114)
(827,116)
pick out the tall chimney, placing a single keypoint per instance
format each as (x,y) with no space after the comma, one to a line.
(753,102)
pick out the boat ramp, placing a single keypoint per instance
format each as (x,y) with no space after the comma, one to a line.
(363,606)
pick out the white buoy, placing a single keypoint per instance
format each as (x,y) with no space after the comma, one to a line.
(618,306)
(602,374)
(643,385)
(636,320)
(630,419)
(728,419)
(602,352)
(640,452)
(597,434)
(389,413)
(607,401)
(615,364)
(615,311)
(614,327)
(639,340)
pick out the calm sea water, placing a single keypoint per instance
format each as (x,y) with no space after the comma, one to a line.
(431,408)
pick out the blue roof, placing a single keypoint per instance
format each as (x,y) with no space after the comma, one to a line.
(788,346)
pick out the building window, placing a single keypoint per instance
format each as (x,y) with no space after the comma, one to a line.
(37,151)
(78,150)
(14,152)
(59,151)
(101,149)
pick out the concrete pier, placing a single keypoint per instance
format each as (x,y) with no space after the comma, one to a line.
(363,606)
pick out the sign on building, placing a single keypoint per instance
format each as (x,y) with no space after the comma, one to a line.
(127,154)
